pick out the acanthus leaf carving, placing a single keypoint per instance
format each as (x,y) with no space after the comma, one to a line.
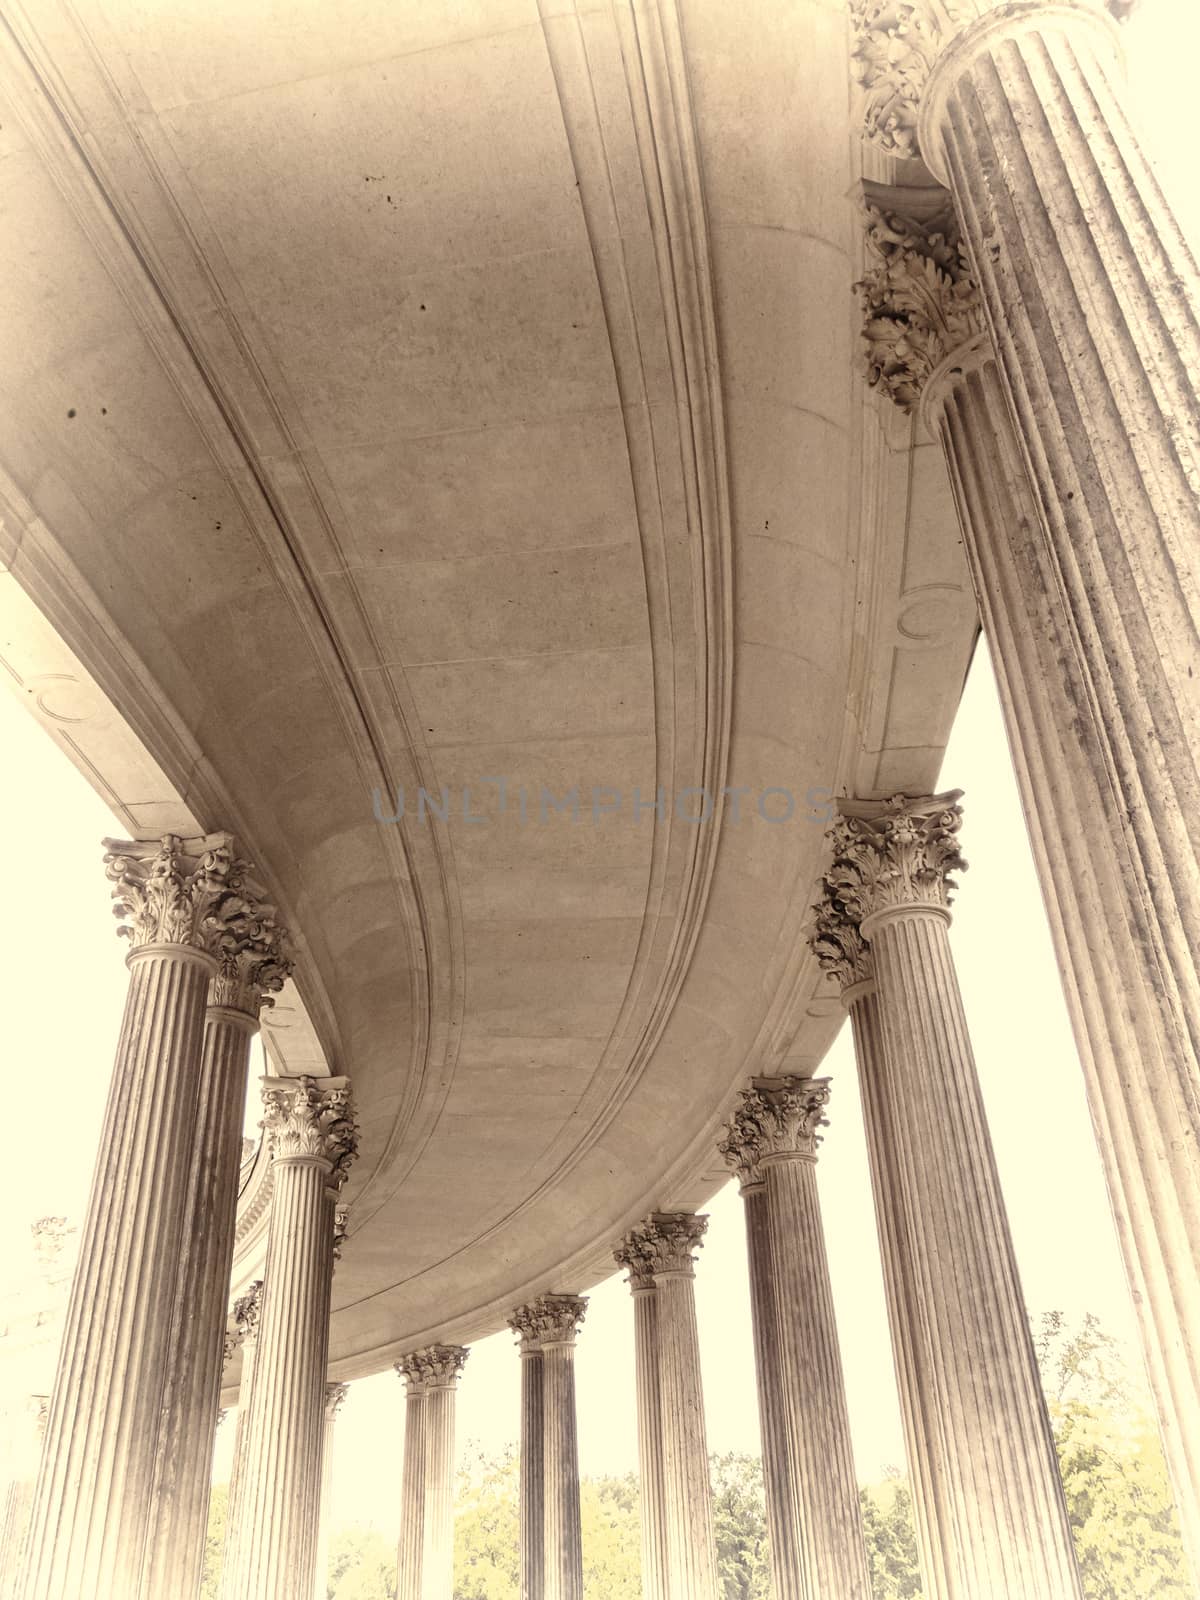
(176,891)
(920,302)
(667,1241)
(895,855)
(437,1366)
(837,942)
(303,1119)
(550,1319)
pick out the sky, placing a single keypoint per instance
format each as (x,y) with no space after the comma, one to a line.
(67,981)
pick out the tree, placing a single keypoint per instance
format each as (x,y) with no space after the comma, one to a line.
(1114,1475)
(740,1527)
(214,1542)
(891,1539)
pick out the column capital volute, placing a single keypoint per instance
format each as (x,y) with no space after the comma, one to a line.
(922,316)
(898,47)
(311,1120)
(665,1245)
(435,1366)
(341,1225)
(894,857)
(335,1399)
(551,1319)
(182,895)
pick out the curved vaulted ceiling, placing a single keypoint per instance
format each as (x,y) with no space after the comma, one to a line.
(418,396)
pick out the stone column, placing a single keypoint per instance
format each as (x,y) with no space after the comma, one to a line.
(410,1557)
(632,1255)
(24,1454)
(740,1149)
(1091,299)
(1009,1532)
(666,1242)
(844,954)
(433,1374)
(254,961)
(533,1461)
(548,1325)
(93,1505)
(335,1396)
(813,1517)
(244,1336)
(273,1538)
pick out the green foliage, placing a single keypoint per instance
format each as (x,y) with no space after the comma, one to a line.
(362,1565)
(1115,1478)
(740,1527)
(891,1539)
(487,1528)
(214,1542)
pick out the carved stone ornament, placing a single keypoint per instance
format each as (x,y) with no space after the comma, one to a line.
(254,960)
(302,1119)
(895,44)
(919,301)
(741,1146)
(895,855)
(776,1117)
(49,1239)
(178,891)
(341,1221)
(335,1398)
(636,1257)
(667,1241)
(550,1319)
(245,1319)
(838,944)
(437,1366)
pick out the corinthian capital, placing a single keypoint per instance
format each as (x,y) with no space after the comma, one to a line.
(190,892)
(437,1366)
(550,1319)
(789,1113)
(245,1320)
(310,1118)
(894,855)
(254,959)
(335,1398)
(896,44)
(667,1241)
(919,301)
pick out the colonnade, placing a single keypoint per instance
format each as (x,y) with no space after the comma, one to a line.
(1039,309)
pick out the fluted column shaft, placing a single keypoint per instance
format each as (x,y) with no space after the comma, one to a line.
(1124,1017)
(183,1470)
(814,1520)
(437,1574)
(24,1456)
(818,1425)
(1091,298)
(783,1528)
(335,1395)
(92,1505)
(274,1540)
(662,1248)
(245,1311)
(925,1449)
(649,1421)
(412,1492)
(532,1490)
(1005,1528)
(563,1572)
(1013,1533)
